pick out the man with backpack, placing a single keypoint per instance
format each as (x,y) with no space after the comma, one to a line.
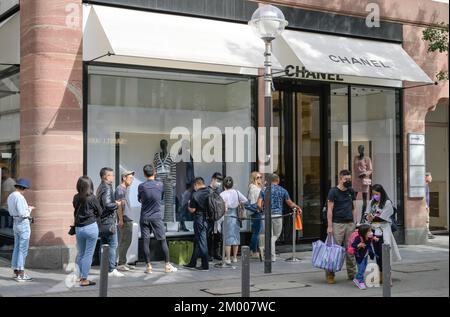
(198,206)
(214,237)
(341,218)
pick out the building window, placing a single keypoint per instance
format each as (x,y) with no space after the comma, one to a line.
(364,130)
(373,135)
(9,142)
(131,110)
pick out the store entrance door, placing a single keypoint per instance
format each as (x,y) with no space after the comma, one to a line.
(297,112)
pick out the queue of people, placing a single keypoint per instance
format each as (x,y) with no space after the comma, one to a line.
(106,214)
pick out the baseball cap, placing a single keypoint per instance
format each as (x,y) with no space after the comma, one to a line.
(126,173)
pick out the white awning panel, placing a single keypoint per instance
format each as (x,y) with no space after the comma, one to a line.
(357,58)
(147,38)
(10,41)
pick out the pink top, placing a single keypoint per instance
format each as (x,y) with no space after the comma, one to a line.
(361,167)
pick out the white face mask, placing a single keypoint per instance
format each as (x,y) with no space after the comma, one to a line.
(218,184)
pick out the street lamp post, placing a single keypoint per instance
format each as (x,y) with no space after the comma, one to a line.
(268,22)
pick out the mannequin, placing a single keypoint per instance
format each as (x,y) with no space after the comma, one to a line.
(165,172)
(184,178)
(362,171)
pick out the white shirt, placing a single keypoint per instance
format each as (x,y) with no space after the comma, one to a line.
(17,206)
(253,193)
(233,197)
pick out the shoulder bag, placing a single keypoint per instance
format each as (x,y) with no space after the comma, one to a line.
(240,208)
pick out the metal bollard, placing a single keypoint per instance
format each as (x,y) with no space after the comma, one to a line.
(294,235)
(386,263)
(245,250)
(104,268)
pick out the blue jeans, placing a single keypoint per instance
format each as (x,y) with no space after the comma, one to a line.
(113,243)
(86,240)
(361,270)
(256,229)
(200,244)
(22,233)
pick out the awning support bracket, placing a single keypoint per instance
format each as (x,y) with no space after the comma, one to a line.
(107,54)
(423,85)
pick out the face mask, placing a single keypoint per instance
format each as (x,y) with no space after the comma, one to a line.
(348,184)
(376,197)
(218,184)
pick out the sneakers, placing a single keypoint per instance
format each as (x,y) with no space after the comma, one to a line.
(360,285)
(431,236)
(235,259)
(115,273)
(170,268)
(149,269)
(228,261)
(203,269)
(23,278)
(123,268)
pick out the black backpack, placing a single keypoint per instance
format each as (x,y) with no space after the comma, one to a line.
(216,206)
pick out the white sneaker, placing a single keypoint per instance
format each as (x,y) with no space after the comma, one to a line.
(123,268)
(228,261)
(170,268)
(235,260)
(115,273)
(23,278)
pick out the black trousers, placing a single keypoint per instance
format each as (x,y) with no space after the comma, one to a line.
(200,243)
(377,248)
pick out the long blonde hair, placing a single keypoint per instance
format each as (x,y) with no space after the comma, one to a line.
(253,177)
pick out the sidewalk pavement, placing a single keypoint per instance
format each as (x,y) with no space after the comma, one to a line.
(424,271)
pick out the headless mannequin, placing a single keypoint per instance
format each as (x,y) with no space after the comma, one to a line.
(362,168)
(165,171)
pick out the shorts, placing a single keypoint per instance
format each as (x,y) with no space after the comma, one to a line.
(155,226)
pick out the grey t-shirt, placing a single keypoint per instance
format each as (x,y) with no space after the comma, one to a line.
(122,193)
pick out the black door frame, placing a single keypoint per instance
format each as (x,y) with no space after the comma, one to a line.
(287,87)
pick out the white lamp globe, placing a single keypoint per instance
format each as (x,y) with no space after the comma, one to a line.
(268,22)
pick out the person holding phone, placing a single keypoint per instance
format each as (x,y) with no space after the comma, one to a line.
(21,212)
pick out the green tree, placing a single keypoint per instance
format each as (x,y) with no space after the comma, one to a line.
(437,38)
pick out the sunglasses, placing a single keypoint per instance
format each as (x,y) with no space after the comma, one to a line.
(258,177)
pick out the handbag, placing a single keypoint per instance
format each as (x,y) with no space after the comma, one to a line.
(298,221)
(366,181)
(241,209)
(72,231)
(328,255)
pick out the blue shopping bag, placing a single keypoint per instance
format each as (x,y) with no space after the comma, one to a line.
(328,255)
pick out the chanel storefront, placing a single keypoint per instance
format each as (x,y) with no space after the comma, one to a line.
(195,80)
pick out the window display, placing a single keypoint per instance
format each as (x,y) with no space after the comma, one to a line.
(366,144)
(174,120)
